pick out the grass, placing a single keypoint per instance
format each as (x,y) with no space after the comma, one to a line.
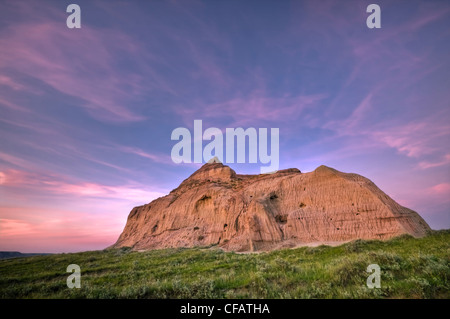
(410,268)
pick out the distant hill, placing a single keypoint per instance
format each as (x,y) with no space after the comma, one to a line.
(14,254)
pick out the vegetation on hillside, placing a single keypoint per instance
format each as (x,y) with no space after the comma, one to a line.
(410,268)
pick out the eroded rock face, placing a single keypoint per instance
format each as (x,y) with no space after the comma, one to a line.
(216,206)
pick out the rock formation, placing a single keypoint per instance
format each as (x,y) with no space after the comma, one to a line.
(216,206)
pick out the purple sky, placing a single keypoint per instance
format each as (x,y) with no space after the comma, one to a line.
(87,114)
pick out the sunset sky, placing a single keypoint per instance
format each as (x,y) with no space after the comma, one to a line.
(86,115)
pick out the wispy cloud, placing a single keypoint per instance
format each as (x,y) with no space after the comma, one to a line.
(414,139)
(12,105)
(14,227)
(428,164)
(442,188)
(58,185)
(84,67)
(255,109)
(76,214)
(157,158)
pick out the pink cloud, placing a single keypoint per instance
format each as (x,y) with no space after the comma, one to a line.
(442,188)
(16,161)
(50,212)
(414,139)
(428,164)
(7,81)
(13,227)
(58,185)
(80,64)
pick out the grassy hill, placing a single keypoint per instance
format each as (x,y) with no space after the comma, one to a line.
(410,268)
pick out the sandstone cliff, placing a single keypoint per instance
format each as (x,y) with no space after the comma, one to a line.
(216,206)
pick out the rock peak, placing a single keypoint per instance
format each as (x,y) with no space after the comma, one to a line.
(213,171)
(215,159)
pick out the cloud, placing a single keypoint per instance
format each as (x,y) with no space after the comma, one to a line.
(354,124)
(428,164)
(12,105)
(157,158)
(58,185)
(257,108)
(414,139)
(442,188)
(13,227)
(50,212)
(16,161)
(81,64)
(9,82)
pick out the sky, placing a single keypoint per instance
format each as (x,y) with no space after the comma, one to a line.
(86,115)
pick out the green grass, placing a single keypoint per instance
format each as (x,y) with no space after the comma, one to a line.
(410,268)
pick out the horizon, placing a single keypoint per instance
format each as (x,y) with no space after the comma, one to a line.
(87,114)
